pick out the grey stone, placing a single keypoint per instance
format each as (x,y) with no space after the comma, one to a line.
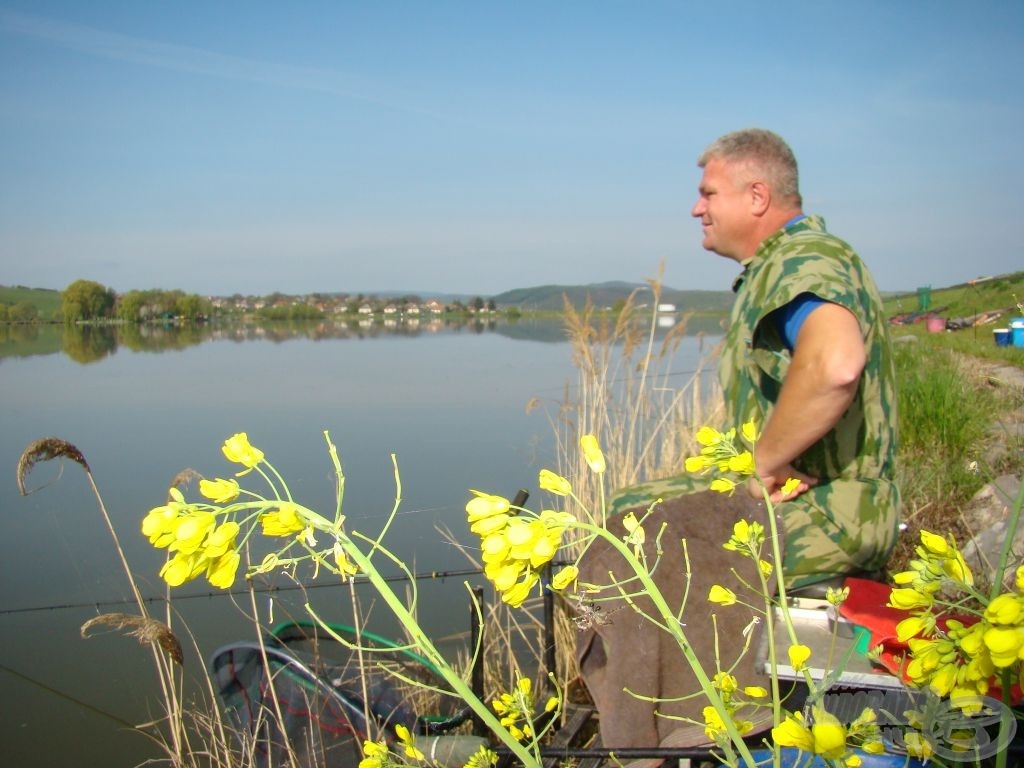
(988,513)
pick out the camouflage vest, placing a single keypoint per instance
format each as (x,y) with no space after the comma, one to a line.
(849,521)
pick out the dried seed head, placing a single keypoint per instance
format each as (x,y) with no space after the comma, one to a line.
(143,628)
(43,450)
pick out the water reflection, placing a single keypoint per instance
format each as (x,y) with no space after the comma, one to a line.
(90,343)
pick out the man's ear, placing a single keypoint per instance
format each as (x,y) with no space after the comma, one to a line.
(760,198)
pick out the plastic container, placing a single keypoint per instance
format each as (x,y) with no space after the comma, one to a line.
(936,324)
(1017,329)
(1003,337)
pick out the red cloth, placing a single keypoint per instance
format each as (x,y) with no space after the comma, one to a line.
(867,606)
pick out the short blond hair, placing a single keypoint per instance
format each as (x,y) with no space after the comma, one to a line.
(766,153)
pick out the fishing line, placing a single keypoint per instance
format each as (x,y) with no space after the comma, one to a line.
(68,697)
(270,589)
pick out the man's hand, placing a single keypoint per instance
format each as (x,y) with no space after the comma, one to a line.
(757,486)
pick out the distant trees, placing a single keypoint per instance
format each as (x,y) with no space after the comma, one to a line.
(87,300)
(156,304)
(20,312)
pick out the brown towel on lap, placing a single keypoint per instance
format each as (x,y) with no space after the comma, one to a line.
(623,650)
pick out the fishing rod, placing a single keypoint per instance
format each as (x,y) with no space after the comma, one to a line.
(268,589)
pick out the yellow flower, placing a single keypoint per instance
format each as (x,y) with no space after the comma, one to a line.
(914,626)
(486,526)
(520,590)
(1005,645)
(829,735)
(494,547)
(635,535)
(793,733)
(1006,609)
(907,599)
(220,572)
(484,505)
(1019,578)
(698,463)
(798,656)
(238,450)
(190,531)
(482,758)
(755,691)
(745,535)
(942,682)
(184,566)
(504,573)
(742,464)
(592,453)
(726,683)
(749,432)
(159,525)
(708,436)
(345,566)
(723,485)
(917,745)
(565,577)
(374,754)
(713,723)
(221,539)
(283,521)
(790,486)
(408,742)
(528,540)
(934,543)
(721,595)
(553,483)
(221,491)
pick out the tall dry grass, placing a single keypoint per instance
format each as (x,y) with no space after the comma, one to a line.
(631,395)
(644,410)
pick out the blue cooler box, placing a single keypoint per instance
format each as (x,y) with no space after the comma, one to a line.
(1017,331)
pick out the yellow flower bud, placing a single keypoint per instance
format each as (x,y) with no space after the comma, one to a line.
(829,735)
(798,656)
(556,484)
(484,505)
(793,733)
(565,577)
(907,599)
(592,453)
(238,450)
(221,491)
(721,595)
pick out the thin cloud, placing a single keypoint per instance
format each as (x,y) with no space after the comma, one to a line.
(179,58)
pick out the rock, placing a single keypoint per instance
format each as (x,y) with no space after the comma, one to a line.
(1007,376)
(988,513)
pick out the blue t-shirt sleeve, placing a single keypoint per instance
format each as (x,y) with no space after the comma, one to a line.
(791,317)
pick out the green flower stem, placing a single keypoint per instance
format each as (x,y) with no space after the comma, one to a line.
(426,647)
(416,634)
(674,628)
(1004,555)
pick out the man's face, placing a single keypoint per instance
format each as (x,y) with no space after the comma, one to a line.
(724,210)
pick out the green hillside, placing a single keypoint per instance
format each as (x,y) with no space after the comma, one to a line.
(1003,294)
(46,300)
(550,297)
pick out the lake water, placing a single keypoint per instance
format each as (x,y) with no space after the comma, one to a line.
(448,401)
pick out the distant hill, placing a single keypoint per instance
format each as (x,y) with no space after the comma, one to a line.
(45,300)
(550,297)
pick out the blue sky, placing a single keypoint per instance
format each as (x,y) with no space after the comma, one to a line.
(474,147)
